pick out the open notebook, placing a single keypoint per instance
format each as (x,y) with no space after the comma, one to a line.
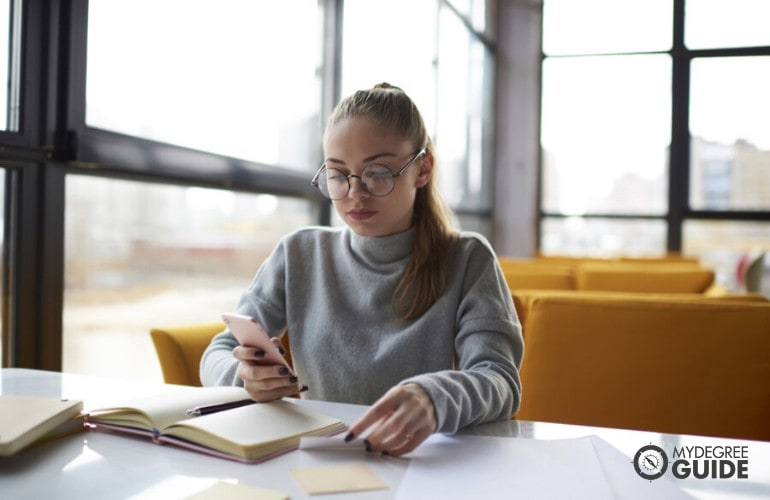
(27,419)
(250,433)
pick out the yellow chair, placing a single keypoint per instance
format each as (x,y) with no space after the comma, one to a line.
(685,367)
(647,278)
(180,349)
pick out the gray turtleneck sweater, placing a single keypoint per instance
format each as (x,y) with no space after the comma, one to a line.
(332,289)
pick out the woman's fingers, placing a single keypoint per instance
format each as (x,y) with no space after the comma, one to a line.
(264,382)
(398,422)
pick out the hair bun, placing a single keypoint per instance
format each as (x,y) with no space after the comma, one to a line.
(386,85)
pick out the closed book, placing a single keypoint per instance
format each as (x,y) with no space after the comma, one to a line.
(27,419)
(249,433)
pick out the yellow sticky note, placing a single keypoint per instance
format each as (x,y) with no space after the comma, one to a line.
(338,479)
(229,491)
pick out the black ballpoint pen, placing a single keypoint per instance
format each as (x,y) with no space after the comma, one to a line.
(214,408)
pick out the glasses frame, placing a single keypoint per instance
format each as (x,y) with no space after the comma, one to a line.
(315,182)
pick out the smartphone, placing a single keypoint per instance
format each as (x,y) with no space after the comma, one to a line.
(250,333)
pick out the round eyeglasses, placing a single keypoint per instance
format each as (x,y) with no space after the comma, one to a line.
(376,179)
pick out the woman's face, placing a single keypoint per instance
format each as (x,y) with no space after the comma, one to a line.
(355,143)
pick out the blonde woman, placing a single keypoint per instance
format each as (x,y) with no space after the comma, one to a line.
(395,310)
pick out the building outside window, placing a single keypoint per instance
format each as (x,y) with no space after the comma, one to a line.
(615,75)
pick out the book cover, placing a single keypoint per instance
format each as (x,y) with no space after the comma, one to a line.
(27,419)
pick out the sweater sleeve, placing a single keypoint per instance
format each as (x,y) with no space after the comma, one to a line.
(263,300)
(485,387)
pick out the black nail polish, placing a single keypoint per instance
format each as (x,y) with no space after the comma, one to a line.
(259,353)
(282,350)
(368,445)
(293,380)
(304,388)
(349,437)
(283,370)
(386,453)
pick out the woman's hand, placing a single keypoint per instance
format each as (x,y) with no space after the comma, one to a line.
(265,382)
(400,420)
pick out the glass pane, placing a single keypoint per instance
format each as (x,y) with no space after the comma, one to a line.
(730,136)
(139,255)
(606,26)
(10,50)
(239,78)
(4,269)
(737,23)
(602,237)
(460,131)
(606,127)
(724,244)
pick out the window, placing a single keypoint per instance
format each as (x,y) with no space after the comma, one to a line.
(139,255)
(740,23)
(606,127)
(605,124)
(606,26)
(5,266)
(239,79)
(616,81)
(730,138)
(10,53)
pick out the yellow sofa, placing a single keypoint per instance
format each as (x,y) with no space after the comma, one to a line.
(522,298)
(644,277)
(692,367)
(664,275)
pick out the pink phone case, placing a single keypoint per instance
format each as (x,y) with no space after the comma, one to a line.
(251,334)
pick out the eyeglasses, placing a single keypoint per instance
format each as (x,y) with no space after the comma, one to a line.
(376,179)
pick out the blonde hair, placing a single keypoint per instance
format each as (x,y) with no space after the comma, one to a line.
(424,280)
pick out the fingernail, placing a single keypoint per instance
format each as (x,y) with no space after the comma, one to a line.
(293,380)
(386,453)
(282,350)
(368,445)
(259,353)
(349,437)
(303,388)
(283,370)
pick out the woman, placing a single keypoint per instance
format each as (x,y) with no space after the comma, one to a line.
(396,310)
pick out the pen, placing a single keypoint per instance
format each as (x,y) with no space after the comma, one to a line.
(214,408)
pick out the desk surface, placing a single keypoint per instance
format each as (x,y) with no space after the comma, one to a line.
(104,466)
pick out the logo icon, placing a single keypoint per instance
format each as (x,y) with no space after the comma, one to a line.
(650,462)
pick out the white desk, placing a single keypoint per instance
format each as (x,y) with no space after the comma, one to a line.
(95,465)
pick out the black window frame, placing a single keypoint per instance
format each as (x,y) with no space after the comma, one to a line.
(679,209)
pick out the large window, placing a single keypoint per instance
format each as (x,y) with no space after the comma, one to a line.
(644,102)
(240,78)
(730,136)
(605,125)
(140,255)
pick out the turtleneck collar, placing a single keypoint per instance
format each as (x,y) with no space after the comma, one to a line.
(382,249)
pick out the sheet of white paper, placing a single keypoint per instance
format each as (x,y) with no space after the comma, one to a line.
(486,467)
(625,483)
